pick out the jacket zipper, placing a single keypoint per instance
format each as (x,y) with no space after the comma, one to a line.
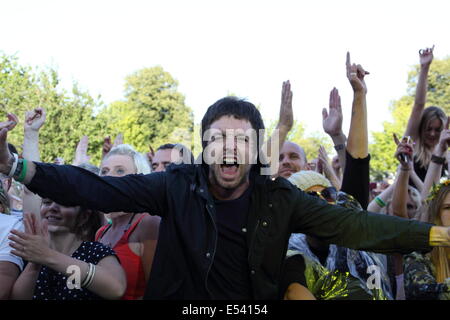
(214,251)
(252,240)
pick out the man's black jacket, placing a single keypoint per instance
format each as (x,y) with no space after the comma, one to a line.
(188,233)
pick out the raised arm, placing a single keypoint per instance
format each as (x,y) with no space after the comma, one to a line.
(285,123)
(400,197)
(332,125)
(357,145)
(34,120)
(72,186)
(381,200)
(426,57)
(437,161)
(328,169)
(355,179)
(81,155)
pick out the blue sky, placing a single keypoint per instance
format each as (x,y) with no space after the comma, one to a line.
(245,47)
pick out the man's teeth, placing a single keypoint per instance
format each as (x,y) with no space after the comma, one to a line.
(52,218)
(230,161)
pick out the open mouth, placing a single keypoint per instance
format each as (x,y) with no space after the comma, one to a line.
(230,167)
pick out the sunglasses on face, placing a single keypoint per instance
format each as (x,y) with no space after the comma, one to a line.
(329,194)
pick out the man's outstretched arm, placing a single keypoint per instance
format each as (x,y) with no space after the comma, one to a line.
(73,186)
(362,230)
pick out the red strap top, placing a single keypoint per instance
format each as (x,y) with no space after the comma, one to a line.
(131,263)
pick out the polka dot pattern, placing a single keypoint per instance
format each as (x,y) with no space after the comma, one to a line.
(51,285)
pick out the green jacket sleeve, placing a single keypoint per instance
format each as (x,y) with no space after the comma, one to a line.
(360,230)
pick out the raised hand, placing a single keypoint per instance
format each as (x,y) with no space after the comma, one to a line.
(10,123)
(34,119)
(335,164)
(81,155)
(150,154)
(328,170)
(323,156)
(404,151)
(107,146)
(6,158)
(316,165)
(426,56)
(118,140)
(356,74)
(332,120)
(286,120)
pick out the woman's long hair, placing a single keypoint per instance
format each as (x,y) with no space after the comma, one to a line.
(423,153)
(438,254)
(87,222)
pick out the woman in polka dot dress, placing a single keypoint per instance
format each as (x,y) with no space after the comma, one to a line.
(63,263)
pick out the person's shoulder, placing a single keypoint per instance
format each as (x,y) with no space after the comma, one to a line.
(181,168)
(187,172)
(147,223)
(8,222)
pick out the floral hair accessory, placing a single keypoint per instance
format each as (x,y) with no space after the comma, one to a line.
(435,189)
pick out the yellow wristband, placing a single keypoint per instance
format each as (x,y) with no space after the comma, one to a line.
(439,237)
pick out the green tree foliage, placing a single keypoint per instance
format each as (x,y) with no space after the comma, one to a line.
(383,147)
(69,116)
(153,112)
(438,84)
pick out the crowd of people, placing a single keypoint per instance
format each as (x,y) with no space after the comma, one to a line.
(164,225)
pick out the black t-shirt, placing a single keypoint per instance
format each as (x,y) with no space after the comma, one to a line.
(293,271)
(422,172)
(229,277)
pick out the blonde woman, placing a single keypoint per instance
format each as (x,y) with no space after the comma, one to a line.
(425,124)
(427,276)
(132,236)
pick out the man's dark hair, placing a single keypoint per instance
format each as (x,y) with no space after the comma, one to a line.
(183,151)
(166,146)
(232,106)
